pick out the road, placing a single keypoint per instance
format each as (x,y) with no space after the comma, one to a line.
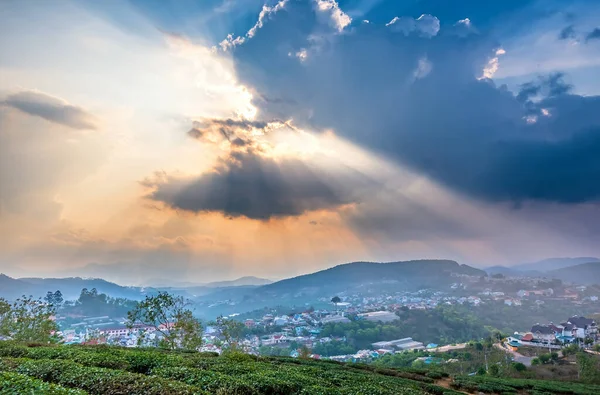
(448,348)
(516,356)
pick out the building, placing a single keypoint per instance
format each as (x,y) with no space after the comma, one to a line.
(334,319)
(379,316)
(580,327)
(399,345)
(543,333)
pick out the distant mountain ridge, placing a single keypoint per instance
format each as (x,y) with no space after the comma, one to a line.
(411,274)
(540,268)
(70,287)
(546,265)
(585,273)
(242,281)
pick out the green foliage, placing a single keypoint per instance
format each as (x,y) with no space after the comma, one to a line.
(16,384)
(28,320)
(91,303)
(170,317)
(442,325)
(588,368)
(96,380)
(114,370)
(333,348)
(494,370)
(571,349)
(54,299)
(231,330)
(490,385)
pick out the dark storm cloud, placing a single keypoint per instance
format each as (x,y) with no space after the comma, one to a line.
(464,132)
(593,35)
(51,109)
(567,33)
(251,185)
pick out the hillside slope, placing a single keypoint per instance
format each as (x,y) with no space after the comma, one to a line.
(586,273)
(404,275)
(70,287)
(551,264)
(111,370)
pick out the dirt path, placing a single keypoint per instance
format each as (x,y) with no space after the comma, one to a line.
(446,382)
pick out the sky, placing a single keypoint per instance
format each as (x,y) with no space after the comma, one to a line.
(201,140)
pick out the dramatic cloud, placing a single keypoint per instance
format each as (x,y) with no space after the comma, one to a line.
(51,109)
(425,25)
(266,11)
(253,179)
(567,33)
(593,35)
(338,17)
(452,126)
(256,187)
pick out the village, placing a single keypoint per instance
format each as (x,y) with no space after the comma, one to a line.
(289,334)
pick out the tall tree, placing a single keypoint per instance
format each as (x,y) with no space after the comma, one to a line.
(28,320)
(170,316)
(231,330)
(335,300)
(54,299)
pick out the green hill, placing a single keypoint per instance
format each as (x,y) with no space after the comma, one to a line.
(404,275)
(115,371)
(585,273)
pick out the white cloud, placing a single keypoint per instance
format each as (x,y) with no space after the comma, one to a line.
(266,11)
(302,54)
(493,65)
(424,67)
(426,25)
(338,17)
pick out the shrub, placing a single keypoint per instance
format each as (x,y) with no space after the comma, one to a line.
(15,383)
(100,380)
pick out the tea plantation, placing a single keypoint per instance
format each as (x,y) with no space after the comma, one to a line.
(110,370)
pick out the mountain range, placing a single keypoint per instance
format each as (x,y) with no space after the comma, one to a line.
(401,275)
(70,287)
(407,275)
(540,267)
(585,273)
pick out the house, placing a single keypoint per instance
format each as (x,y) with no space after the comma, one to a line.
(527,337)
(334,319)
(543,333)
(382,316)
(580,327)
(404,344)
(249,323)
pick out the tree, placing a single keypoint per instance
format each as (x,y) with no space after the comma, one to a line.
(304,352)
(587,368)
(169,316)
(5,317)
(231,330)
(28,320)
(54,299)
(335,300)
